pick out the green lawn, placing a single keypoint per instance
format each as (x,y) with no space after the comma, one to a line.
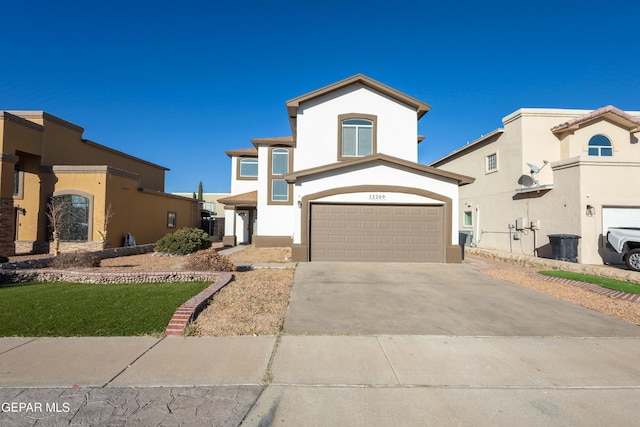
(72,309)
(616,285)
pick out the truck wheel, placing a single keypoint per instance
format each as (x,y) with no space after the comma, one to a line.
(633,259)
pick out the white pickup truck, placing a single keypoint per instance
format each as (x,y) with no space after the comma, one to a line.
(626,241)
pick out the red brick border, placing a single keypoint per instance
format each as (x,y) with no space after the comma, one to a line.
(187,311)
(590,286)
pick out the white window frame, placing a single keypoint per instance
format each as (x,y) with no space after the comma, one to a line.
(464,218)
(248,161)
(599,148)
(358,127)
(488,163)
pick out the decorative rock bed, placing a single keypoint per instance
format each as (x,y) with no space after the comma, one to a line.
(551,264)
(95,277)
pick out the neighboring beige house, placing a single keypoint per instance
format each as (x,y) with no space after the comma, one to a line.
(551,171)
(44,158)
(346,186)
(211,213)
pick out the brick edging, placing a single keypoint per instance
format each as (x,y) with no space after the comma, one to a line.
(187,311)
(590,286)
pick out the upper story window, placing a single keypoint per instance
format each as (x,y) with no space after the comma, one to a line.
(599,145)
(491,163)
(248,168)
(356,135)
(280,164)
(279,161)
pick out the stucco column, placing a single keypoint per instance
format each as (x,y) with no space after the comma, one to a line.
(7,215)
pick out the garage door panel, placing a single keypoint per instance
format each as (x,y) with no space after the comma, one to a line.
(377,233)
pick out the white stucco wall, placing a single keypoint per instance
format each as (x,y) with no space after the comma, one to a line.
(240,186)
(372,175)
(317,126)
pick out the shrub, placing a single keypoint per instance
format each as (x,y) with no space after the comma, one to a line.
(184,241)
(76,260)
(3,259)
(209,259)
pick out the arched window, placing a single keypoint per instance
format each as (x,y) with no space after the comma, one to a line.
(71,212)
(280,161)
(599,145)
(357,137)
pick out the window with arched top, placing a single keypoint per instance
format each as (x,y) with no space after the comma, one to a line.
(356,136)
(280,164)
(71,214)
(599,145)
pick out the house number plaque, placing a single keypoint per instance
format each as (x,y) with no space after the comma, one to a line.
(377,197)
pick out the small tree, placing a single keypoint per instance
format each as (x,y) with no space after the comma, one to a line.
(56,211)
(108,214)
(200,193)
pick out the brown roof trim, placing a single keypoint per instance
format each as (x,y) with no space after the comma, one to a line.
(250,198)
(242,152)
(120,153)
(617,115)
(292,105)
(462,179)
(420,138)
(277,140)
(5,115)
(47,117)
(488,138)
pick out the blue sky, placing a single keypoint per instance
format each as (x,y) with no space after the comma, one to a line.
(178,83)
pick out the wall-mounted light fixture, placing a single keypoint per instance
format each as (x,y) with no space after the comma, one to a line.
(23,211)
(591,211)
(300,204)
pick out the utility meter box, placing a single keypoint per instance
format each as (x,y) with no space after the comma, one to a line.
(520,223)
(535,224)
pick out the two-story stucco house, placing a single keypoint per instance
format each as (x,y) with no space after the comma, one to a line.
(102,194)
(346,186)
(551,171)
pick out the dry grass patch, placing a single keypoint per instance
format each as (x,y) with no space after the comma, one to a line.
(261,255)
(254,303)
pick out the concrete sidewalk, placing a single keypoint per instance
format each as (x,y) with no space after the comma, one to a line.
(320,380)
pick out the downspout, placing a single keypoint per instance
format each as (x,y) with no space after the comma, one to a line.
(477,237)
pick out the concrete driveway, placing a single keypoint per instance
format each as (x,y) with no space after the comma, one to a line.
(432,299)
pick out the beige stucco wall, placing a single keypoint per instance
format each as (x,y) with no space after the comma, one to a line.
(575,180)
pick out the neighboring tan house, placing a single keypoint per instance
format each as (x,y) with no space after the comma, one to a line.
(44,158)
(551,171)
(346,186)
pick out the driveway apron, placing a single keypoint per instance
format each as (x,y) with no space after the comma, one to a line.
(432,299)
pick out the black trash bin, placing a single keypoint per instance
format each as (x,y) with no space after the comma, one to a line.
(564,247)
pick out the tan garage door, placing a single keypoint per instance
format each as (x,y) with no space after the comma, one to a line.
(377,233)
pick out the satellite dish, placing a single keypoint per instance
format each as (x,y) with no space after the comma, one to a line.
(536,170)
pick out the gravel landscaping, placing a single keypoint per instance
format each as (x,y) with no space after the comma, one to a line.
(521,276)
(255,302)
